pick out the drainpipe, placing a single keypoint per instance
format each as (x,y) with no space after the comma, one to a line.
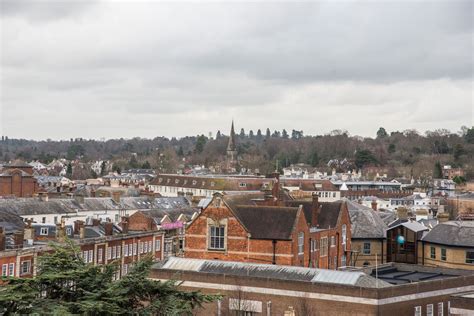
(310,254)
(381,259)
(423,253)
(337,251)
(274,242)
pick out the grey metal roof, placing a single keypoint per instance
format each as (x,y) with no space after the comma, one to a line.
(365,222)
(452,233)
(291,273)
(413,226)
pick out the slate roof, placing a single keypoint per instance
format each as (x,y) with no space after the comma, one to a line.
(365,222)
(267,222)
(10,221)
(269,271)
(33,206)
(173,214)
(413,226)
(452,233)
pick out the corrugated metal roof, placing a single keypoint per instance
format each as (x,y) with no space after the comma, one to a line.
(291,273)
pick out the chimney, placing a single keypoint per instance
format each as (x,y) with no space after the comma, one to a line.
(116,196)
(276,185)
(92,193)
(402,213)
(29,233)
(95,222)
(77,226)
(315,210)
(43,196)
(374,205)
(124,224)
(109,228)
(2,239)
(443,217)
(18,238)
(61,231)
(181,193)
(82,232)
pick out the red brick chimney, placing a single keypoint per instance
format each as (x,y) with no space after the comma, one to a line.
(2,239)
(95,222)
(18,239)
(109,228)
(374,205)
(276,186)
(315,210)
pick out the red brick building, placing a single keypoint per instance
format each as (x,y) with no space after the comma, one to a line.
(16,179)
(235,228)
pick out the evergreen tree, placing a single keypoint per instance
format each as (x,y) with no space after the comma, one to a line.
(251,135)
(382,133)
(284,134)
(259,134)
(438,171)
(469,137)
(391,148)
(200,143)
(364,157)
(103,168)
(242,133)
(69,171)
(267,133)
(146,165)
(218,135)
(66,285)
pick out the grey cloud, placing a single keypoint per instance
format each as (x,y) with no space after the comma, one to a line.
(43,10)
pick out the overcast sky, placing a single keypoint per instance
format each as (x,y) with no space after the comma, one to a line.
(114,69)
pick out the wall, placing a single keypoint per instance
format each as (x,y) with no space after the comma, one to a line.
(455,257)
(377,247)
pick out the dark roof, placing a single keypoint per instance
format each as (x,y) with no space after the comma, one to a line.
(453,233)
(267,222)
(17,164)
(10,221)
(394,275)
(328,214)
(173,214)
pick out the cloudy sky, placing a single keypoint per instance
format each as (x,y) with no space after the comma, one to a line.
(114,69)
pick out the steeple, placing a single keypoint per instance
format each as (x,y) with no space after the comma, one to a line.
(231,150)
(231,144)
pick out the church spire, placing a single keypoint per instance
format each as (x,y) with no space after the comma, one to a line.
(231,144)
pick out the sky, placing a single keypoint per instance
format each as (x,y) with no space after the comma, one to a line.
(111,69)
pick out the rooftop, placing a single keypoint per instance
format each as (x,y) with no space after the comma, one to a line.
(269,271)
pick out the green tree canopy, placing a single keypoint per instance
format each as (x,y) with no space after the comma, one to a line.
(66,285)
(364,157)
(382,133)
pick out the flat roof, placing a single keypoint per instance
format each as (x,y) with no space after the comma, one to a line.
(396,275)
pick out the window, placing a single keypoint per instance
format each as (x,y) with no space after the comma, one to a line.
(11,269)
(114,252)
(145,247)
(68,231)
(134,248)
(242,184)
(432,252)
(109,253)
(443,254)
(43,220)
(470,257)
(55,219)
(4,270)
(417,310)
(25,267)
(150,245)
(333,241)
(119,251)
(429,310)
(366,250)
(157,245)
(99,255)
(324,247)
(344,233)
(216,237)
(440,309)
(343,260)
(84,256)
(301,243)
(140,247)
(91,256)
(125,250)
(125,269)
(44,231)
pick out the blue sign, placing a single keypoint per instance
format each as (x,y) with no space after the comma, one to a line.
(400,239)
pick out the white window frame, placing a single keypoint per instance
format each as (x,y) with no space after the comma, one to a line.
(109,253)
(114,252)
(5,269)
(28,266)
(100,253)
(91,256)
(44,231)
(301,243)
(429,310)
(125,250)
(11,269)
(135,249)
(119,251)
(364,249)
(418,311)
(440,309)
(217,236)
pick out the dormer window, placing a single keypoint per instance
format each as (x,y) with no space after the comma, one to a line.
(194,182)
(212,183)
(242,184)
(44,231)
